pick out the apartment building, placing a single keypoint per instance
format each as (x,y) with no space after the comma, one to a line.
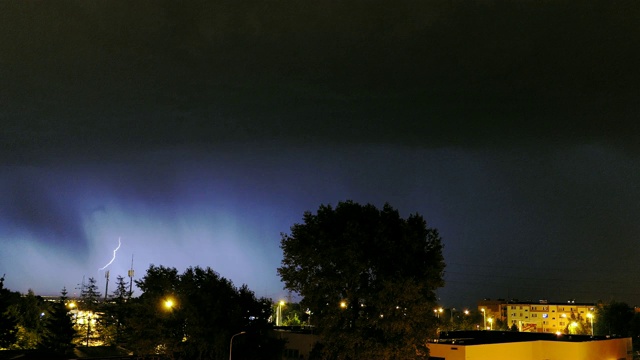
(539,316)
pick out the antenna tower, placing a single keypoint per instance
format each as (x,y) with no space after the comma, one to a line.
(130,273)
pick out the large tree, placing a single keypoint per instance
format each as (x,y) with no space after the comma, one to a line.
(613,319)
(369,277)
(115,314)
(90,297)
(8,321)
(59,330)
(31,311)
(194,314)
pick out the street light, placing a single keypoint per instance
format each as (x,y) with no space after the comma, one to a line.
(231,343)
(73,309)
(484,315)
(491,323)
(343,304)
(168,304)
(590,316)
(438,312)
(573,327)
(279,313)
(308,312)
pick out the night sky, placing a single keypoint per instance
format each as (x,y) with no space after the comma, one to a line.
(198,131)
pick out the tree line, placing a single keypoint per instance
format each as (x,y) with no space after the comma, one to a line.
(366,277)
(189,315)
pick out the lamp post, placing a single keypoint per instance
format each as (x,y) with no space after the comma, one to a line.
(88,320)
(590,316)
(231,343)
(438,312)
(279,313)
(491,323)
(308,312)
(484,316)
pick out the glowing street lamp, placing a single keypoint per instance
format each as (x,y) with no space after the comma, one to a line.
(573,327)
(437,312)
(484,315)
(279,313)
(590,316)
(491,323)
(168,304)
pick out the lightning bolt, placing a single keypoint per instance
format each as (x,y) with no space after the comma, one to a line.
(114,256)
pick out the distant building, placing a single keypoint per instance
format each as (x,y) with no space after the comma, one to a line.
(299,341)
(538,316)
(506,345)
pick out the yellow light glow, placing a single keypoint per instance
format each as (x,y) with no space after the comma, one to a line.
(282,302)
(343,304)
(168,303)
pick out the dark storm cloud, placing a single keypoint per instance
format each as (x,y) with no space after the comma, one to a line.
(511,125)
(32,203)
(433,73)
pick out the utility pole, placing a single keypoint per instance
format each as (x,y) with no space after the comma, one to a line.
(106,289)
(130,273)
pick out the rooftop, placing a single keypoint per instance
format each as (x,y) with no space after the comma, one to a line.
(494,337)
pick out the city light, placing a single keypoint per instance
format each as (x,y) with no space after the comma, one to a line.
(590,316)
(169,304)
(281,303)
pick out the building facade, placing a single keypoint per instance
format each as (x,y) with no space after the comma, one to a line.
(540,316)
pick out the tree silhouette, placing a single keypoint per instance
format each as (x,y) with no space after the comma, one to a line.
(194,314)
(369,277)
(8,322)
(59,331)
(90,297)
